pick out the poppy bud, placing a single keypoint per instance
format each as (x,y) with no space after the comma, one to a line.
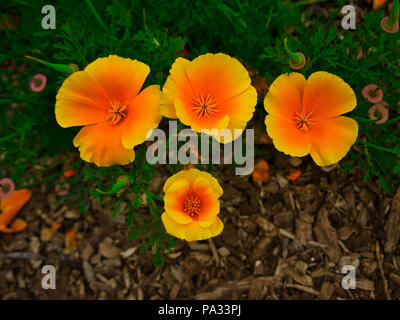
(296,60)
(63,68)
(390,24)
(122,182)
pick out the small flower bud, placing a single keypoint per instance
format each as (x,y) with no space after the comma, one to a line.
(63,68)
(296,60)
(122,182)
(390,24)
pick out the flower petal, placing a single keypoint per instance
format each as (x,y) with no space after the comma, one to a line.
(18,225)
(190,176)
(177,86)
(143,115)
(174,201)
(240,109)
(121,78)
(101,144)
(285,95)
(331,139)
(327,95)
(192,231)
(196,123)
(80,101)
(209,203)
(219,75)
(12,205)
(286,137)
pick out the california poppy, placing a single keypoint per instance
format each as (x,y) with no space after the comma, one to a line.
(9,208)
(192,206)
(211,92)
(105,99)
(305,116)
(70,242)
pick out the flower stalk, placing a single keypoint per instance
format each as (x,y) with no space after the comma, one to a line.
(63,68)
(297,60)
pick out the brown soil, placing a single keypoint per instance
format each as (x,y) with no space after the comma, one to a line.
(282,240)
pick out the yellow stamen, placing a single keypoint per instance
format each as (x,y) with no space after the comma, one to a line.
(205,106)
(116,113)
(303,120)
(192,206)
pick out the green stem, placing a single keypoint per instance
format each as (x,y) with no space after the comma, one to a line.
(307,2)
(153,195)
(6,101)
(364,120)
(41,172)
(10,136)
(49,177)
(378,147)
(388,122)
(393,19)
(150,198)
(96,15)
(294,57)
(63,68)
(164,148)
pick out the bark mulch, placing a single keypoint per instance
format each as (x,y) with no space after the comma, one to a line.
(282,240)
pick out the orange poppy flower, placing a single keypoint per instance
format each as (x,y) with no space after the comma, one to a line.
(305,116)
(105,99)
(192,206)
(9,208)
(211,92)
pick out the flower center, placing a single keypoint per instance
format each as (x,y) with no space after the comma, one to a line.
(192,206)
(303,120)
(116,113)
(205,106)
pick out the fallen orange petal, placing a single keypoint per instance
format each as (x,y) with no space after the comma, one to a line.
(260,172)
(70,242)
(10,207)
(55,226)
(70,238)
(294,175)
(70,173)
